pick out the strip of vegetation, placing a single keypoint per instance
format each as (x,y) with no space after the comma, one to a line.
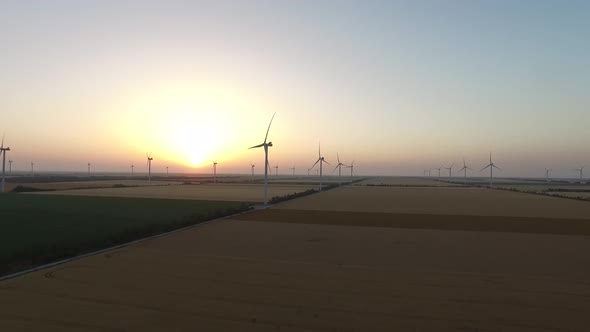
(39,229)
(24,189)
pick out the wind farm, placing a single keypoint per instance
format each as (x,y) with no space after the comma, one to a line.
(461,203)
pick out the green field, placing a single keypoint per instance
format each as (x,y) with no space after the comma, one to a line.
(38,229)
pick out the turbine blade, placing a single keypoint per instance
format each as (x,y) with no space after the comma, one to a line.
(273,116)
(316,163)
(335,168)
(326,162)
(2,146)
(497,167)
(485,167)
(338,157)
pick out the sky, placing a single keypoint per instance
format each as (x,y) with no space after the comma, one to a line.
(396,86)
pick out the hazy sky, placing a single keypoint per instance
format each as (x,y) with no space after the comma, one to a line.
(396,86)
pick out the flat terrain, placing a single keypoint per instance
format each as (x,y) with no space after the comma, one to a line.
(40,228)
(349,259)
(405,182)
(214,192)
(90,184)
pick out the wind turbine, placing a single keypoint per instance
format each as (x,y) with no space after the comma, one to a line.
(308,170)
(293,169)
(132,169)
(450,169)
(547,170)
(438,169)
(149,165)
(491,165)
(320,160)
(89,168)
(339,166)
(266,164)
(465,168)
(215,171)
(351,169)
(277,169)
(3,151)
(166,171)
(252,169)
(581,170)
(10,167)
(32,168)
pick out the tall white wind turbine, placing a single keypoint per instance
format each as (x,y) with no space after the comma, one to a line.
(547,170)
(89,168)
(132,169)
(491,165)
(438,169)
(149,165)
(32,168)
(3,151)
(10,167)
(293,169)
(339,166)
(320,160)
(276,169)
(265,145)
(215,171)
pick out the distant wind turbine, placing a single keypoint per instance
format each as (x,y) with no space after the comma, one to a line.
(252,169)
(276,169)
(450,169)
(266,164)
(32,168)
(3,151)
(320,160)
(491,165)
(547,170)
(581,170)
(438,169)
(351,166)
(149,165)
(308,170)
(132,169)
(339,166)
(215,171)
(465,168)
(10,167)
(166,171)
(293,169)
(89,168)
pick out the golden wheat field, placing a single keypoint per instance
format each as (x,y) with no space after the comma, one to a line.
(222,192)
(449,201)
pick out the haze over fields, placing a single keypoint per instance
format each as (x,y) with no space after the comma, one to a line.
(396,86)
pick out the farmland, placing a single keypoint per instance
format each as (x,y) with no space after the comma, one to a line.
(224,192)
(355,258)
(38,229)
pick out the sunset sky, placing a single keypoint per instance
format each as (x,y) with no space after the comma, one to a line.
(396,86)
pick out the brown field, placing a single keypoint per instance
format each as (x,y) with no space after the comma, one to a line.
(322,263)
(403,181)
(90,184)
(223,192)
(444,201)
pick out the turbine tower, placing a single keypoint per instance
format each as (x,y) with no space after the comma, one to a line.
(266,164)
(491,165)
(89,168)
(320,160)
(132,169)
(339,166)
(465,168)
(351,169)
(3,151)
(149,165)
(252,169)
(277,169)
(32,168)
(10,167)
(438,169)
(308,170)
(215,171)
(547,170)
(293,169)
(166,171)
(450,169)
